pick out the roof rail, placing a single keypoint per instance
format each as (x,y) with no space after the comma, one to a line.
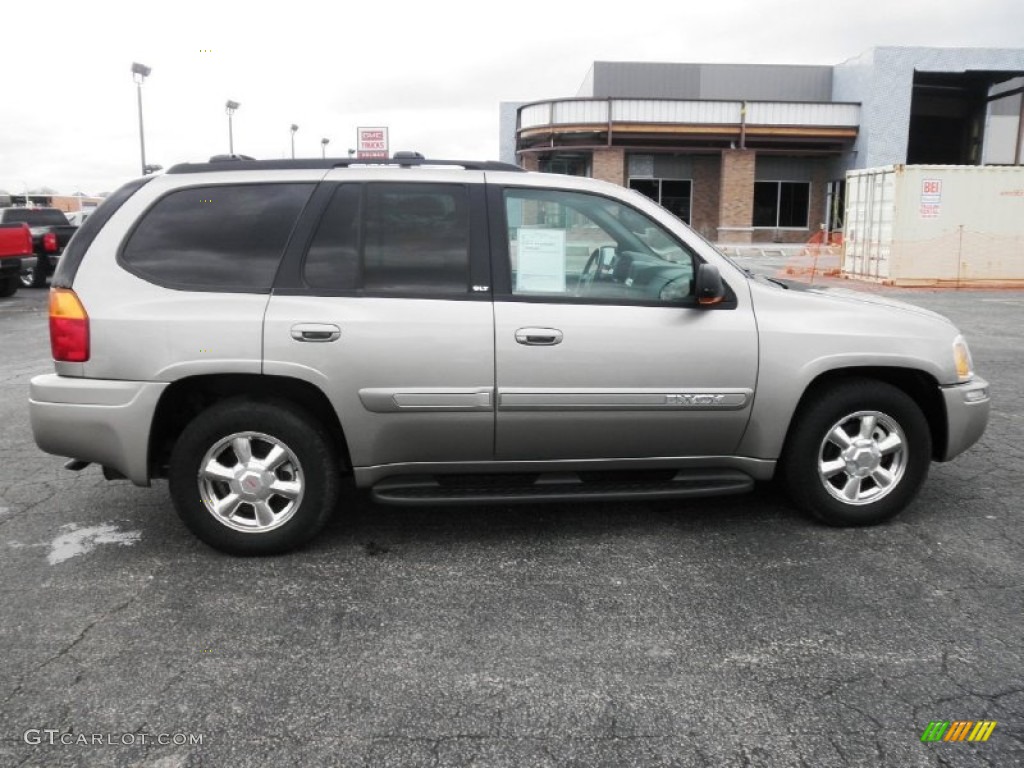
(401,159)
(222,158)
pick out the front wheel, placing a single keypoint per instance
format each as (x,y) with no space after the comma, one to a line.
(254,478)
(858,454)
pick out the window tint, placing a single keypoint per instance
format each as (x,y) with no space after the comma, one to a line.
(417,238)
(333,257)
(574,245)
(227,237)
(402,238)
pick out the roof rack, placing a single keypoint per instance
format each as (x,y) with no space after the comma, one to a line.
(401,159)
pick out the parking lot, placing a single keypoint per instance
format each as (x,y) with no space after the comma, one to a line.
(714,632)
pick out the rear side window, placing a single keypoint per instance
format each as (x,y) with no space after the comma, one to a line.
(393,238)
(223,237)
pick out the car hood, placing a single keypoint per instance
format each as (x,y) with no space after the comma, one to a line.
(859,297)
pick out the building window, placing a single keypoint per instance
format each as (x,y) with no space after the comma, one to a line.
(673,194)
(568,165)
(782,204)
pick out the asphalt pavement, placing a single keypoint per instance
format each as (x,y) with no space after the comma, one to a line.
(721,632)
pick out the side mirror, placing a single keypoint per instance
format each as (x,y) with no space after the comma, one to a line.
(709,286)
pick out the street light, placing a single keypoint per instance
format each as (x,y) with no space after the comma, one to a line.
(323,147)
(140,72)
(294,129)
(230,108)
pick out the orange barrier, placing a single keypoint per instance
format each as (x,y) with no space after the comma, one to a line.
(815,259)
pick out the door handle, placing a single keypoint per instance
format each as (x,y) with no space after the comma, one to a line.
(539,337)
(316,332)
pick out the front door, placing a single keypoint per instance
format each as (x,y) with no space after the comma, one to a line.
(601,349)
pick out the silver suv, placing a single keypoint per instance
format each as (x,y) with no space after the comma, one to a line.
(448,332)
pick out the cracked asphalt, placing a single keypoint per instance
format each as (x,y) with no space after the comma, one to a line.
(723,632)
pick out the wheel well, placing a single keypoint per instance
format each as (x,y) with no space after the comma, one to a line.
(186,398)
(918,385)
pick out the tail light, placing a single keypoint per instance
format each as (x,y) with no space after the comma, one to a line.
(69,327)
(50,242)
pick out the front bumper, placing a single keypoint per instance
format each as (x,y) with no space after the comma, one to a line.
(96,420)
(967,408)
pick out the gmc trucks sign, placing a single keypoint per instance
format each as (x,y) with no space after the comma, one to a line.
(372,143)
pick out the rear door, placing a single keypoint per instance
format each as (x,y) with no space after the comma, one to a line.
(384,303)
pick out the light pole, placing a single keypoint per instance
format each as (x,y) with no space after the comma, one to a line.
(140,72)
(323,147)
(230,108)
(294,129)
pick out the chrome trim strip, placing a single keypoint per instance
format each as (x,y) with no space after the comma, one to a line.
(623,399)
(420,399)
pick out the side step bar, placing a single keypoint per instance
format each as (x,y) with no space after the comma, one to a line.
(467,489)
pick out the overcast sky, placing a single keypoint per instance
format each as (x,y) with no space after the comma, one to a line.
(434,72)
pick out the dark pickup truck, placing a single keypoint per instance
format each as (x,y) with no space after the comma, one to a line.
(50,233)
(15,242)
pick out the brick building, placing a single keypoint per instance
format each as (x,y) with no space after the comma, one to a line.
(758,153)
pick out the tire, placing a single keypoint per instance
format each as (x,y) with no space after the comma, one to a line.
(275,508)
(8,286)
(33,275)
(885,460)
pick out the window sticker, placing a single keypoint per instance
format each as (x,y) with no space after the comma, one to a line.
(541,261)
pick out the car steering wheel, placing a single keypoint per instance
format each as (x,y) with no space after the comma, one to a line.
(591,270)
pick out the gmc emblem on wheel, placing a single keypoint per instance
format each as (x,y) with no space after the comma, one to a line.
(694,399)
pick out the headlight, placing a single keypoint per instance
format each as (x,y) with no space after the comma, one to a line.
(962,358)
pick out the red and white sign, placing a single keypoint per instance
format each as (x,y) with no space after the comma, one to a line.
(372,143)
(931,198)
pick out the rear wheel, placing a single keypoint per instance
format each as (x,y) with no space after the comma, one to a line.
(859,453)
(254,478)
(33,272)
(8,286)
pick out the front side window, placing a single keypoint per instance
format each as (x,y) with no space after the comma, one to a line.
(393,238)
(225,237)
(781,204)
(579,246)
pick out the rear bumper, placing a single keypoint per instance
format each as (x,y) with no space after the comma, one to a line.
(967,409)
(96,420)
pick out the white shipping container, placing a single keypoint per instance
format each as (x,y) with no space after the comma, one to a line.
(935,224)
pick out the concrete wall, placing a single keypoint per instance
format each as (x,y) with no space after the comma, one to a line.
(755,82)
(882,79)
(507,130)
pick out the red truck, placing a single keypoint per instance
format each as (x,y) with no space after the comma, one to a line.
(15,242)
(50,233)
